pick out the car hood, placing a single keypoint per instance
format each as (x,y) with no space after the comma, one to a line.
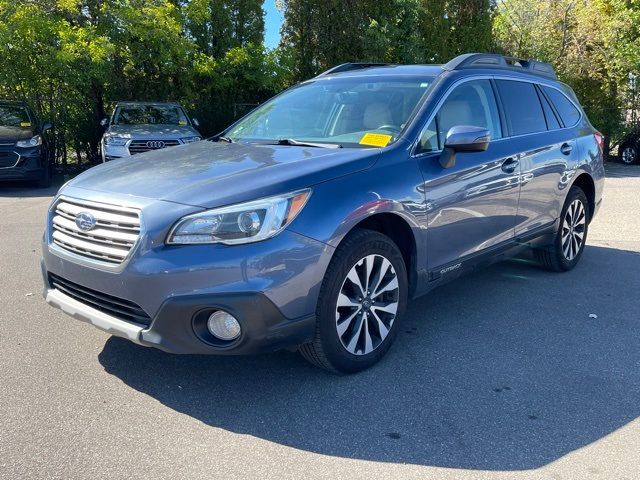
(152,131)
(15,133)
(209,174)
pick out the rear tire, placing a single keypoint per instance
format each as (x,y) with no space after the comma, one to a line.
(361,302)
(629,154)
(568,244)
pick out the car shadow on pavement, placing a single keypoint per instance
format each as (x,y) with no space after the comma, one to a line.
(29,189)
(506,369)
(620,170)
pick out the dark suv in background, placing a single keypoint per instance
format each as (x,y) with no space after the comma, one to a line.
(313,220)
(24,150)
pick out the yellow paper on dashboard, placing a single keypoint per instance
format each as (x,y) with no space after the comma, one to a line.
(375,139)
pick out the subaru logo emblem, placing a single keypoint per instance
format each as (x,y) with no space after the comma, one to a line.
(155,144)
(85,221)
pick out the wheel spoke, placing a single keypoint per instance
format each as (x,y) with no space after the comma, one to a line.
(391,308)
(389,287)
(355,280)
(344,301)
(380,274)
(382,328)
(566,246)
(351,347)
(368,345)
(368,271)
(344,325)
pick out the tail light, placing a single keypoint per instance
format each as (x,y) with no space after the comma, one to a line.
(599,140)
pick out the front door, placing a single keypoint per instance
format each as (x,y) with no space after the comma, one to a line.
(472,206)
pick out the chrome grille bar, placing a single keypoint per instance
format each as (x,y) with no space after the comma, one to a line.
(141,146)
(115,233)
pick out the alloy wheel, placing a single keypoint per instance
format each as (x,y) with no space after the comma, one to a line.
(629,155)
(367,304)
(573,230)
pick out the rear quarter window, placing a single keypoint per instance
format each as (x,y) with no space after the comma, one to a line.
(566,109)
(522,107)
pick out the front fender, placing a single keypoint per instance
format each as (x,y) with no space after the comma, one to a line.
(394,185)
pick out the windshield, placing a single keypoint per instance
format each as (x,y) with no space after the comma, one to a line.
(347,111)
(14,116)
(150,115)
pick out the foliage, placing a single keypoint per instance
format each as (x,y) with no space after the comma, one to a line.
(71,59)
(323,33)
(595,57)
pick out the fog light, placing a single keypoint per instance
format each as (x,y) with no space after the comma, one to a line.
(223,325)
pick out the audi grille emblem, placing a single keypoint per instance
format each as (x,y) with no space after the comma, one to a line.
(85,221)
(155,144)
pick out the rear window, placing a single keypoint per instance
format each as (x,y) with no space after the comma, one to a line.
(552,120)
(567,110)
(522,106)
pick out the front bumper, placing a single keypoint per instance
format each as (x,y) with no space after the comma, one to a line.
(271,287)
(30,165)
(174,329)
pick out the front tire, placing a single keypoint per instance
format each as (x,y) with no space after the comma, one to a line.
(568,245)
(362,299)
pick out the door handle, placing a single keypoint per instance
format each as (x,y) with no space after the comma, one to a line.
(509,165)
(566,148)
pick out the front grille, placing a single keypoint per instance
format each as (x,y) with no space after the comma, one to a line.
(141,146)
(114,306)
(115,232)
(8,159)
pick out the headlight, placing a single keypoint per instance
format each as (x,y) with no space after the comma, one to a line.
(115,141)
(32,142)
(243,223)
(191,139)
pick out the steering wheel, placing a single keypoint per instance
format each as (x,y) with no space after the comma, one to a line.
(391,128)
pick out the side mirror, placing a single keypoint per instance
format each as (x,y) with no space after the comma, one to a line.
(195,122)
(104,122)
(463,138)
(46,126)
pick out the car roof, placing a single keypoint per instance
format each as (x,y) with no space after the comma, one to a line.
(467,64)
(389,70)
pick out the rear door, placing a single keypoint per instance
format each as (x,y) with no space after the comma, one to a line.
(471,207)
(544,150)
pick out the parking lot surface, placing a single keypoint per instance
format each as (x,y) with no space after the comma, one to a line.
(509,373)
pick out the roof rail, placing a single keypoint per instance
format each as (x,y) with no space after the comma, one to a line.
(346,67)
(494,60)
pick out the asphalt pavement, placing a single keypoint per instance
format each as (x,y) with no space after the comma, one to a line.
(509,373)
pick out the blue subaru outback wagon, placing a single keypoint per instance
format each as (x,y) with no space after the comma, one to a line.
(311,222)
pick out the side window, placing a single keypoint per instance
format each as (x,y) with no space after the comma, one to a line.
(429,139)
(472,103)
(522,106)
(552,120)
(567,110)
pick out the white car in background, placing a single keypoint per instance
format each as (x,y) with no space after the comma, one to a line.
(137,127)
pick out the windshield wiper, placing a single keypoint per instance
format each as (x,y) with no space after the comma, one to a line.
(296,143)
(226,139)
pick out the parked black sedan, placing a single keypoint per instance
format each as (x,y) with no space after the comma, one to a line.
(24,150)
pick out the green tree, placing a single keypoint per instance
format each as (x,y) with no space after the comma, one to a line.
(594,57)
